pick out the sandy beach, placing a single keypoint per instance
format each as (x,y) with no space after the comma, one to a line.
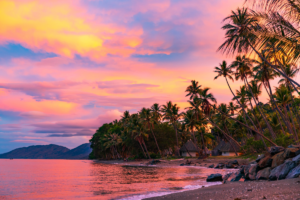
(281,190)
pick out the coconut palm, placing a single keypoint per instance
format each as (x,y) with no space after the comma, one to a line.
(171,113)
(147,116)
(193,89)
(191,122)
(241,38)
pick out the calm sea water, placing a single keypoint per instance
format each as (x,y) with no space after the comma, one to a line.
(83,179)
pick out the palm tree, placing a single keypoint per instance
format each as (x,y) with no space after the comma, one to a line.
(191,122)
(241,37)
(243,67)
(171,113)
(147,116)
(156,112)
(283,97)
(193,89)
(206,99)
(232,108)
(225,71)
(112,141)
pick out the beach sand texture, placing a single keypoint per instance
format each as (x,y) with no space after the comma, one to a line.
(281,190)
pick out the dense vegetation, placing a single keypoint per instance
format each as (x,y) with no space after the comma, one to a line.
(265,43)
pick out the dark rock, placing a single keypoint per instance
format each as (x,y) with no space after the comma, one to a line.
(252,172)
(234,177)
(211,166)
(294,173)
(297,159)
(287,167)
(246,171)
(297,152)
(220,166)
(263,174)
(275,150)
(153,162)
(182,164)
(293,152)
(214,178)
(279,158)
(275,173)
(265,162)
(234,162)
(225,177)
(229,166)
(260,157)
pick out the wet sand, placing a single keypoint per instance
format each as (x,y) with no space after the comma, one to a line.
(170,163)
(281,190)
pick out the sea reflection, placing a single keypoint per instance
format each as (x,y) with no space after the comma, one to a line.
(77,179)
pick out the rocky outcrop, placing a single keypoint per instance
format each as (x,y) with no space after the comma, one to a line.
(220,166)
(279,158)
(214,178)
(263,174)
(277,164)
(211,166)
(294,173)
(266,161)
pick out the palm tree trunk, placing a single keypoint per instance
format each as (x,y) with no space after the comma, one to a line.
(240,104)
(203,143)
(260,110)
(117,151)
(229,138)
(146,148)
(195,141)
(273,103)
(142,148)
(175,127)
(249,128)
(154,139)
(286,114)
(294,106)
(285,120)
(296,134)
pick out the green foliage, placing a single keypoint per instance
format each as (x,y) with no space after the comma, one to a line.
(253,145)
(284,140)
(154,155)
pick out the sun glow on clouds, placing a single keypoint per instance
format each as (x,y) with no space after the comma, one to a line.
(80,64)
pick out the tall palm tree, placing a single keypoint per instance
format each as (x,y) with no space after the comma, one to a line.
(241,38)
(171,113)
(147,116)
(193,89)
(191,123)
(243,67)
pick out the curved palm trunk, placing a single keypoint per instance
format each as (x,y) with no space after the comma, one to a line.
(260,111)
(154,139)
(146,148)
(274,67)
(229,138)
(142,148)
(294,106)
(273,103)
(285,120)
(249,128)
(240,104)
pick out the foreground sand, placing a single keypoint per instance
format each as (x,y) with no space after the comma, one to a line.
(281,190)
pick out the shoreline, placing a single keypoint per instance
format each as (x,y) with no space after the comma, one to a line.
(288,189)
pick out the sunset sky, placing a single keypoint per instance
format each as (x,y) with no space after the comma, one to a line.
(68,66)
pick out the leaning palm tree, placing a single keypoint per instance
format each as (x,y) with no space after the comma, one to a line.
(146,116)
(241,36)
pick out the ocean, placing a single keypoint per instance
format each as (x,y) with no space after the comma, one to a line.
(86,179)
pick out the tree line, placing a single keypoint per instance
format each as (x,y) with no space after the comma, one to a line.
(264,41)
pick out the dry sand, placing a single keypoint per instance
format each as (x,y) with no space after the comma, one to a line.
(281,190)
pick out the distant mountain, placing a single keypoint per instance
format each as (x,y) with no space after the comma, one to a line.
(50,151)
(80,152)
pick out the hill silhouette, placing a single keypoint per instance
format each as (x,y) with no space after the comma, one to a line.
(50,151)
